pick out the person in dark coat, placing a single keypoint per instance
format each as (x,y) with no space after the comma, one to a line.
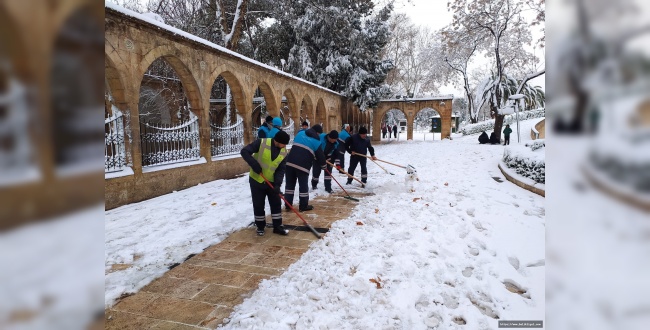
(493,138)
(264,130)
(384,130)
(344,135)
(305,126)
(483,138)
(359,143)
(330,144)
(506,135)
(277,126)
(306,147)
(395,130)
(268,157)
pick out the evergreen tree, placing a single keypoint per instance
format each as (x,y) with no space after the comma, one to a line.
(338,46)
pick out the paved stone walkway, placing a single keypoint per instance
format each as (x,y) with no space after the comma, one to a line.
(202,291)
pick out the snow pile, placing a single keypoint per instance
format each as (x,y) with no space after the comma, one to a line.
(528,161)
(488,125)
(536,144)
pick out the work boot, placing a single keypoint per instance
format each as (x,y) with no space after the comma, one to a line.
(306,208)
(349,181)
(260,227)
(329,190)
(314,186)
(287,208)
(280,230)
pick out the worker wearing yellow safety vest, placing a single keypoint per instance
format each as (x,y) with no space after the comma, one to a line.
(268,157)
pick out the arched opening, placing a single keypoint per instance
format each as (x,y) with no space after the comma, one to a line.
(306,110)
(427,125)
(287,114)
(262,107)
(393,125)
(320,113)
(226,123)
(17,161)
(169,129)
(116,124)
(76,83)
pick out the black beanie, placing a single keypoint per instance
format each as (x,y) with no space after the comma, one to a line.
(282,137)
(363,130)
(304,123)
(269,119)
(318,128)
(334,135)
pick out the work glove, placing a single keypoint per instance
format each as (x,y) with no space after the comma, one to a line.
(256,167)
(276,189)
(338,167)
(373,158)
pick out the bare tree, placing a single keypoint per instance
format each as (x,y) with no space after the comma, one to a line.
(414,52)
(459,48)
(496,19)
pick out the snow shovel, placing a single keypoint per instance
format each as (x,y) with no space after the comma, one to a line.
(363,185)
(292,209)
(409,168)
(337,182)
(385,170)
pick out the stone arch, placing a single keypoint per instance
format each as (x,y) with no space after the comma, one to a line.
(12,47)
(320,112)
(294,113)
(269,97)
(115,81)
(308,111)
(172,56)
(391,116)
(66,9)
(76,84)
(235,88)
(411,119)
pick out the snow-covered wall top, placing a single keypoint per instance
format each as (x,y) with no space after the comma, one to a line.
(432,98)
(161,25)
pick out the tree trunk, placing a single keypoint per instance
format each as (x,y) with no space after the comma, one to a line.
(498,124)
(232,41)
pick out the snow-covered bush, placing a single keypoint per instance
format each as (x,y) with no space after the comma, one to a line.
(536,144)
(488,125)
(526,162)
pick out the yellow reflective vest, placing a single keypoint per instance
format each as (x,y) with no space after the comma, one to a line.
(263,156)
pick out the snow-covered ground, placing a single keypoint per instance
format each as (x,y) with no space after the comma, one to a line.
(598,248)
(446,251)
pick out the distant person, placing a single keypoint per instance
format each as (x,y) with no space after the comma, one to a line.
(305,126)
(330,145)
(506,135)
(395,130)
(344,135)
(483,138)
(493,138)
(265,129)
(277,126)
(359,144)
(384,130)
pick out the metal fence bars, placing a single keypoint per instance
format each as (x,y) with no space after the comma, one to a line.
(164,144)
(227,140)
(114,150)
